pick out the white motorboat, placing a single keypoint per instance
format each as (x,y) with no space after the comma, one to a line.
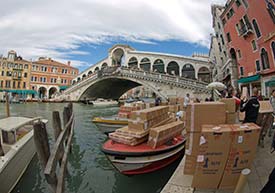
(104,102)
(16,134)
(141,159)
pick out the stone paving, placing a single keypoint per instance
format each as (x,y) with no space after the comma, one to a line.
(260,170)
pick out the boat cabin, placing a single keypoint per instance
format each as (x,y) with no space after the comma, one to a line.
(12,129)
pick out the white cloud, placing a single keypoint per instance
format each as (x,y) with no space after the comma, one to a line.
(57,28)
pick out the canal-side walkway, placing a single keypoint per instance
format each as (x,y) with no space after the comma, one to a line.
(260,170)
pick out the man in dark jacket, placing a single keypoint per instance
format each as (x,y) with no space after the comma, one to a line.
(251,107)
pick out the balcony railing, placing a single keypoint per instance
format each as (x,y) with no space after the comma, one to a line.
(246,30)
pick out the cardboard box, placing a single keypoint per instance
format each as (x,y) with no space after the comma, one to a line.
(265,107)
(242,152)
(147,114)
(190,164)
(241,116)
(230,104)
(231,118)
(174,108)
(142,125)
(132,141)
(172,101)
(160,135)
(212,157)
(132,133)
(198,114)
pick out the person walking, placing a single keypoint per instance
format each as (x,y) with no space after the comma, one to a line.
(186,100)
(272,101)
(250,107)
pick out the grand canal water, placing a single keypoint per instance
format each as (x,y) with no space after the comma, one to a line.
(90,171)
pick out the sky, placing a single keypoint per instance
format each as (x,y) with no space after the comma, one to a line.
(82,31)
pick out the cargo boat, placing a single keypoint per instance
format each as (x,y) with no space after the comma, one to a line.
(141,159)
(18,149)
(109,124)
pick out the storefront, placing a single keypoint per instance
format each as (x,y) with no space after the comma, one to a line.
(270,86)
(250,82)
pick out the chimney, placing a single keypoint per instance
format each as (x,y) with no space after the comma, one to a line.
(69,63)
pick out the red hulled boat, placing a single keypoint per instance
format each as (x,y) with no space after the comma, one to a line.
(140,159)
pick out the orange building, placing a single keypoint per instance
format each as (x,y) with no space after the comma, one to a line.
(49,77)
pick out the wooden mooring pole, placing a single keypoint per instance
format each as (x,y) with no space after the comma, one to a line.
(7,104)
(57,128)
(49,159)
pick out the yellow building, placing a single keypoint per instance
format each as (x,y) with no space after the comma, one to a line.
(15,75)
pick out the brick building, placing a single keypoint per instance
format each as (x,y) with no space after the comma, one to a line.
(249,27)
(15,75)
(49,77)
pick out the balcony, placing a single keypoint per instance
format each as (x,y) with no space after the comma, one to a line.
(16,77)
(246,30)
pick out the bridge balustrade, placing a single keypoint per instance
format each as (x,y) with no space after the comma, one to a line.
(139,74)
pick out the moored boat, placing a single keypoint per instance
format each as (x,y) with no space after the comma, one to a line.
(140,159)
(104,102)
(109,124)
(18,149)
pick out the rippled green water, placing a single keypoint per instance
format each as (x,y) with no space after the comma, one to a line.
(90,171)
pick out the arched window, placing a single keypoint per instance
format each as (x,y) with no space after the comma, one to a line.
(158,66)
(188,71)
(104,65)
(133,62)
(264,59)
(273,49)
(204,74)
(173,68)
(145,64)
(256,28)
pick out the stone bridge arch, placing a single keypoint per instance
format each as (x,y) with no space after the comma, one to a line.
(114,87)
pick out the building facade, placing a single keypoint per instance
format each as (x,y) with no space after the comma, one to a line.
(49,77)
(224,69)
(15,75)
(249,28)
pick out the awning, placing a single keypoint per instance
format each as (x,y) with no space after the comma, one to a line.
(270,83)
(249,79)
(20,91)
(63,87)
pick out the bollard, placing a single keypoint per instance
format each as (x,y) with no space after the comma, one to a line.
(242,180)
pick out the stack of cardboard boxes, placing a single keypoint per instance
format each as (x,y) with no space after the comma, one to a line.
(176,104)
(224,151)
(125,110)
(217,152)
(153,121)
(230,105)
(198,114)
(139,124)
(160,135)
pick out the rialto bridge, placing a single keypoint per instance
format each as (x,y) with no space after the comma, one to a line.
(125,68)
